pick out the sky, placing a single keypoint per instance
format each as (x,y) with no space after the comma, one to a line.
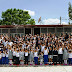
(49,10)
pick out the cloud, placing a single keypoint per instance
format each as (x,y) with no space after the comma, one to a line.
(52,21)
(32,13)
(64,23)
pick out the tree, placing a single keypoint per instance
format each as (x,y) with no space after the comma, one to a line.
(31,21)
(16,16)
(70,11)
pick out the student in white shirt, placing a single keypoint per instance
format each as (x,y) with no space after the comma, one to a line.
(42,47)
(60,54)
(14,56)
(26,56)
(0,57)
(46,51)
(36,57)
(10,43)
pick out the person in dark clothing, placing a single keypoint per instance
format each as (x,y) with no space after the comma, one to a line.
(55,56)
(66,36)
(17,58)
(50,55)
(26,56)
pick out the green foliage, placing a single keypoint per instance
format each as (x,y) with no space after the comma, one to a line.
(70,11)
(31,21)
(16,16)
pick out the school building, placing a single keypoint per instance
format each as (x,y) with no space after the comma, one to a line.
(20,30)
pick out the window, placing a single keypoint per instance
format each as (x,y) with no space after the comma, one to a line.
(12,30)
(4,30)
(20,30)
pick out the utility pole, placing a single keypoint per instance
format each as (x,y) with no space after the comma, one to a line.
(60,20)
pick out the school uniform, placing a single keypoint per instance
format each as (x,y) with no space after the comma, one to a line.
(26,57)
(50,54)
(14,57)
(41,59)
(7,60)
(10,57)
(65,55)
(3,58)
(31,58)
(60,55)
(21,57)
(17,58)
(42,48)
(36,58)
(55,56)
(46,56)
(70,58)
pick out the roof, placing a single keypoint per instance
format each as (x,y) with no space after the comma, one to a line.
(29,26)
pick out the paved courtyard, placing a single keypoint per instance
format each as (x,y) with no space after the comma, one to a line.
(37,69)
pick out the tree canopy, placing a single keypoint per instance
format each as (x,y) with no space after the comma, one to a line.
(16,16)
(70,11)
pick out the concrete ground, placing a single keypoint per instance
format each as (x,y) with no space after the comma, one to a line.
(37,69)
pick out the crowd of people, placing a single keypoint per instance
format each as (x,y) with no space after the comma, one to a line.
(43,49)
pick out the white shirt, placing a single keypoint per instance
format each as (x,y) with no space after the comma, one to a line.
(0,55)
(26,53)
(6,55)
(35,54)
(46,52)
(17,54)
(0,40)
(5,43)
(10,43)
(14,53)
(60,51)
(21,53)
(42,48)
(34,38)
(70,55)
(3,55)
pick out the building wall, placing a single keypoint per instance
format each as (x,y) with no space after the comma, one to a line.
(23,30)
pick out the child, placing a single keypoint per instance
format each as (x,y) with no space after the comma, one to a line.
(26,56)
(10,56)
(0,57)
(36,57)
(50,55)
(21,57)
(46,55)
(41,58)
(55,56)
(14,56)
(31,57)
(3,57)
(70,57)
(60,54)
(65,55)
(17,57)
(7,60)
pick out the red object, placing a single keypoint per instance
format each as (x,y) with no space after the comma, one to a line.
(53,64)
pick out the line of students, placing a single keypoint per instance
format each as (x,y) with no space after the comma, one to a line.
(14,56)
